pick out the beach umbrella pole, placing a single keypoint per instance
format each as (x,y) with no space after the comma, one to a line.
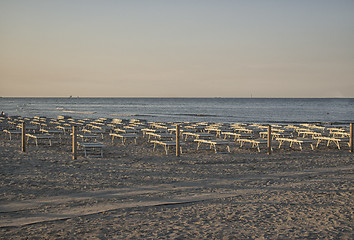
(178,147)
(351,138)
(23,137)
(269,139)
(74,142)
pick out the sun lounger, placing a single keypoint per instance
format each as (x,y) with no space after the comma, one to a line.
(166,145)
(305,134)
(214,144)
(274,134)
(255,143)
(92,148)
(12,132)
(65,129)
(234,135)
(94,131)
(52,132)
(151,130)
(340,134)
(293,141)
(88,137)
(160,136)
(197,135)
(330,140)
(124,137)
(37,137)
(243,130)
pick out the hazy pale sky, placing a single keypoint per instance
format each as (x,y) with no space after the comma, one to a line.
(188,48)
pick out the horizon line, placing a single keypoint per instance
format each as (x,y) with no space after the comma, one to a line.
(76,97)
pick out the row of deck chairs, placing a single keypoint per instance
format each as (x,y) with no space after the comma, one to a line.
(215,136)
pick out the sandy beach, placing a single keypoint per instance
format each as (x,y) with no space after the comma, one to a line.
(136,193)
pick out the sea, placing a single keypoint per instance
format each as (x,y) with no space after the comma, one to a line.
(213,110)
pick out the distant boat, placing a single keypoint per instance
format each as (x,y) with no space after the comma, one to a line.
(71,96)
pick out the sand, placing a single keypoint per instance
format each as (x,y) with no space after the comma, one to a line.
(135,193)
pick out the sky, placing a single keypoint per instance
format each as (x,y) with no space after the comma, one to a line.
(184,48)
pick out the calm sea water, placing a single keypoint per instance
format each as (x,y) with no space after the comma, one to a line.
(262,110)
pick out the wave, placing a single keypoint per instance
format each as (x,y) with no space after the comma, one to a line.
(82,112)
(122,115)
(195,115)
(130,115)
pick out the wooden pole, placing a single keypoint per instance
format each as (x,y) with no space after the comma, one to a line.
(269,139)
(178,146)
(351,138)
(74,142)
(23,137)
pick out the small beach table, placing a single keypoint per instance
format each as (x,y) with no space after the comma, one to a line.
(330,140)
(166,145)
(255,143)
(299,142)
(92,148)
(37,137)
(124,137)
(214,144)
(12,132)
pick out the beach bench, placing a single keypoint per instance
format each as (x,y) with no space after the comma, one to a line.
(166,145)
(292,141)
(37,137)
(330,140)
(124,137)
(95,149)
(255,143)
(214,144)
